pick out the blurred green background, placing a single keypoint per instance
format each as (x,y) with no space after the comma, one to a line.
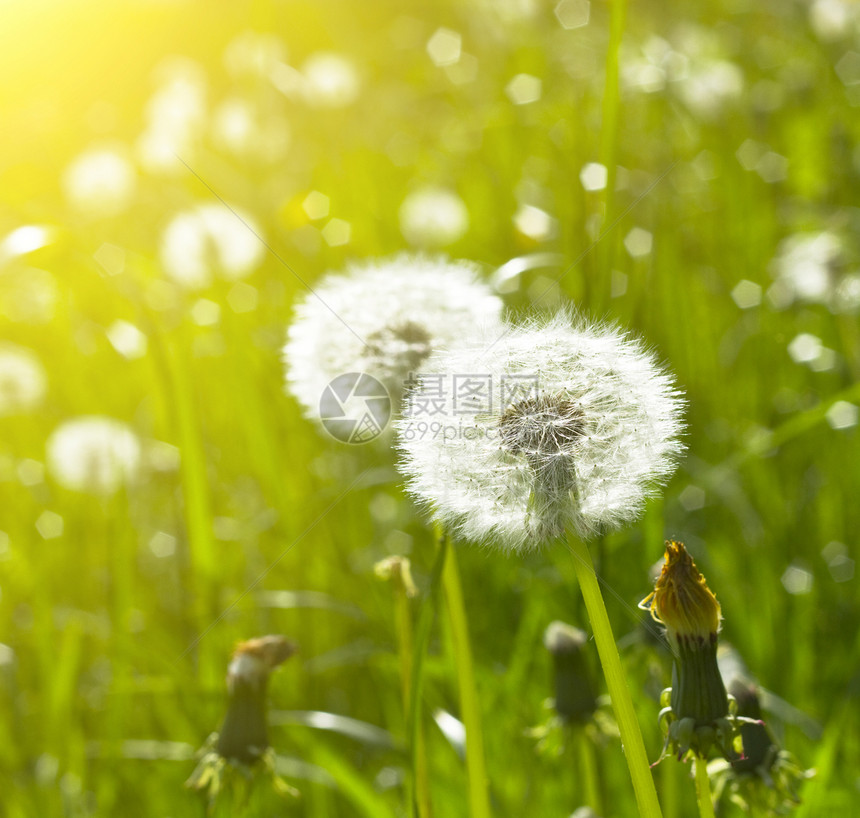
(490,130)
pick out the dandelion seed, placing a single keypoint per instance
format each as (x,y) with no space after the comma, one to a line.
(384,319)
(93,454)
(22,380)
(578,426)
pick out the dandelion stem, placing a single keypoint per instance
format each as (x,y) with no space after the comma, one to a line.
(418,792)
(418,786)
(470,711)
(589,772)
(669,789)
(703,788)
(622,703)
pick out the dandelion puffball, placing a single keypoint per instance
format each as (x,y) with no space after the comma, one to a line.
(557,425)
(22,380)
(433,217)
(93,454)
(100,182)
(384,318)
(208,241)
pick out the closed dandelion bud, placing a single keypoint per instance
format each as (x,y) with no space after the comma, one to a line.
(397,569)
(239,758)
(698,713)
(765,779)
(759,749)
(575,698)
(243,735)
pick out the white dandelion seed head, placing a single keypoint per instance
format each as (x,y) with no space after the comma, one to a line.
(100,182)
(807,266)
(330,80)
(242,128)
(578,427)
(210,241)
(384,318)
(710,85)
(433,217)
(22,380)
(93,454)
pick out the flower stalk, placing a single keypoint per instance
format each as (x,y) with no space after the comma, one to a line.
(398,571)
(619,692)
(470,710)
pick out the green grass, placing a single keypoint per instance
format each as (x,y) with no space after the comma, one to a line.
(277,528)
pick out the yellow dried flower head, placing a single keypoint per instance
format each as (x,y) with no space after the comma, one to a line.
(397,569)
(682,600)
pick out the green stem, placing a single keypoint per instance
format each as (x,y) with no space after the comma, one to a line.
(479,802)
(622,703)
(418,791)
(418,785)
(589,772)
(669,789)
(703,789)
(609,124)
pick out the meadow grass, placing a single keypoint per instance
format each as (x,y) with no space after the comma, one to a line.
(120,620)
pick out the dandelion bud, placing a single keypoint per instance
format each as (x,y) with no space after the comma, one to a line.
(765,779)
(698,714)
(243,735)
(575,698)
(240,756)
(398,570)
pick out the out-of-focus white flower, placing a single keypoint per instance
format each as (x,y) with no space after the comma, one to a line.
(433,217)
(254,54)
(22,380)
(330,80)
(807,267)
(832,19)
(239,127)
(711,83)
(383,319)
(176,117)
(93,454)
(576,425)
(692,65)
(208,241)
(100,182)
